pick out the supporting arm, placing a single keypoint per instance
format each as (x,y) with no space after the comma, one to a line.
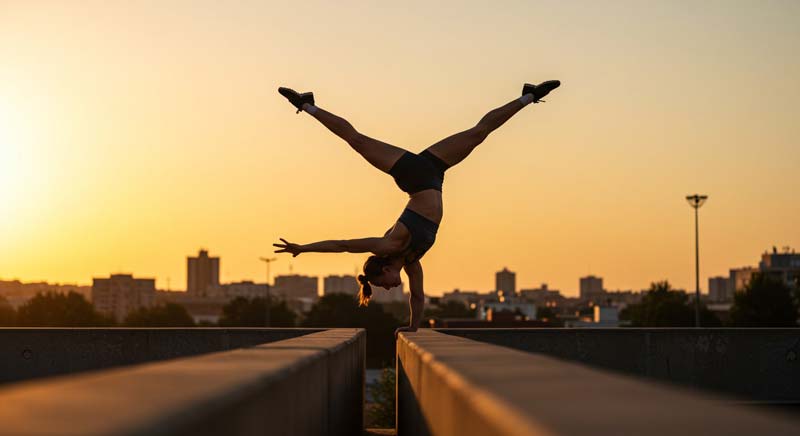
(416,301)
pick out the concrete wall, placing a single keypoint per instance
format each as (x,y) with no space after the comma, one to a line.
(754,364)
(308,385)
(449,385)
(27,353)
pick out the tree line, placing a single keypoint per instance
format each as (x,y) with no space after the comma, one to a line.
(764,302)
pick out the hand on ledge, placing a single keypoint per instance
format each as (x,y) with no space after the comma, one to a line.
(403,329)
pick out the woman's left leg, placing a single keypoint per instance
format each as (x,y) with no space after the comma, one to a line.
(455,148)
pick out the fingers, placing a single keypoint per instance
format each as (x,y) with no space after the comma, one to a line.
(284,241)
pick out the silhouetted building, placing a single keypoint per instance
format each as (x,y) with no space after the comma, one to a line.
(121,294)
(202,272)
(505,311)
(505,283)
(295,286)
(591,287)
(245,289)
(393,295)
(345,284)
(718,289)
(464,297)
(738,279)
(781,266)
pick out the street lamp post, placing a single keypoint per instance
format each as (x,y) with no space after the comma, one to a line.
(695,201)
(269,300)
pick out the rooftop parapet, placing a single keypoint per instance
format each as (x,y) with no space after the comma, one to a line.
(449,385)
(307,385)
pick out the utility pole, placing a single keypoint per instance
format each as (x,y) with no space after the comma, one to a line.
(695,201)
(268,300)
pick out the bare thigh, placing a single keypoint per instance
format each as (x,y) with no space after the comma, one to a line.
(457,147)
(378,153)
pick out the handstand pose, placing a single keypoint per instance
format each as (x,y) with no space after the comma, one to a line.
(421,176)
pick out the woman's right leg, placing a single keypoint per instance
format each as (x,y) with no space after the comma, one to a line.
(380,154)
(455,148)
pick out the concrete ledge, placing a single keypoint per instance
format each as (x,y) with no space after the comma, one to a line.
(448,385)
(754,364)
(27,353)
(309,385)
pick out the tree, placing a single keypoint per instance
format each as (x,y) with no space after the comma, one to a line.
(167,315)
(381,412)
(7,313)
(663,306)
(764,302)
(52,309)
(341,310)
(242,312)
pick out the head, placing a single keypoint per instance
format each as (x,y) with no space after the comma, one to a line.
(378,271)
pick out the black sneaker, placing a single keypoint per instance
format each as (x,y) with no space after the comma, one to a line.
(541,89)
(298,100)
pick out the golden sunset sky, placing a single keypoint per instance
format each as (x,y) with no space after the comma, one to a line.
(134,133)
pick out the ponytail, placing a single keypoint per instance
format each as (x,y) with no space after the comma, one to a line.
(365,292)
(373,268)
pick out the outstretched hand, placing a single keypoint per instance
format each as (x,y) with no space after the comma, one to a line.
(288,247)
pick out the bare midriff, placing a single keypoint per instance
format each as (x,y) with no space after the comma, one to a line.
(427,203)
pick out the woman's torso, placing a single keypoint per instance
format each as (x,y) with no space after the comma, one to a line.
(417,226)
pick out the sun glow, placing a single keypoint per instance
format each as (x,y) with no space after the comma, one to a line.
(15,162)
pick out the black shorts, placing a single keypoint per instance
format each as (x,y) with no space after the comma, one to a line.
(418,172)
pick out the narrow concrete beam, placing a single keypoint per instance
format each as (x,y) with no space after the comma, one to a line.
(309,385)
(448,385)
(27,353)
(754,364)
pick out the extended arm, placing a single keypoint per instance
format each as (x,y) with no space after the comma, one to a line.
(379,246)
(416,301)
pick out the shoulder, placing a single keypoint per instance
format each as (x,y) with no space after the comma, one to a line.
(397,238)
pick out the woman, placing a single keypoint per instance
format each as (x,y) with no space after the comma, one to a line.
(421,176)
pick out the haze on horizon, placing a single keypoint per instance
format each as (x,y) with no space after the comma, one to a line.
(131,135)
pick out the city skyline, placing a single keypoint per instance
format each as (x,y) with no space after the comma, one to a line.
(588,284)
(124,151)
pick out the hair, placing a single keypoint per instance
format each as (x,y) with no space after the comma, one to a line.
(373,268)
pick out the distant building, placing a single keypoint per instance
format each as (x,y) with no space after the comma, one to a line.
(294,286)
(783,266)
(738,279)
(542,296)
(345,284)
(202,272)
(245,289)
(622,298)
(591,287)
(505,311)
(122,294)
(464,297)
(505,283)
(606,316)
(393,295)
(718,289)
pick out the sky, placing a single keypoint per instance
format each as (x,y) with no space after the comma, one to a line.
(132,134)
